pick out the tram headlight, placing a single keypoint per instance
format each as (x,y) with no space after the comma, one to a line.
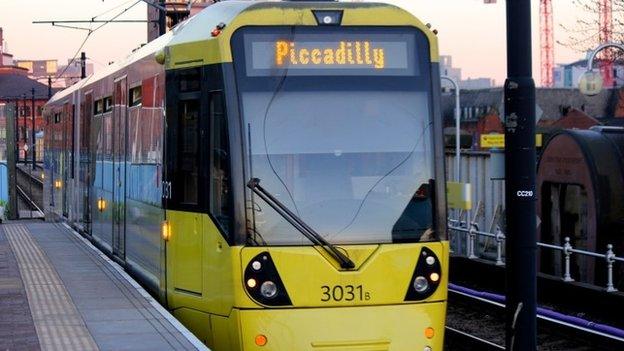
(421,284)
(263,283)
(268,289)
(426,277)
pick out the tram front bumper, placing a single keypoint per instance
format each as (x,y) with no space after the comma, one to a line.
(361,328)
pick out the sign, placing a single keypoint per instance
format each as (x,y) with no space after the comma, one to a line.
(363,54)
(590,83)
(493,140)
(489,141)
(459,195)
(25,147)
(334,53)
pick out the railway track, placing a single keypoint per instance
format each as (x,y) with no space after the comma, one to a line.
(475,323)
(30,194)
(28,204)
(458,340)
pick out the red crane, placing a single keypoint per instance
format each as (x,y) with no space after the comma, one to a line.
(605,35)
(547,39)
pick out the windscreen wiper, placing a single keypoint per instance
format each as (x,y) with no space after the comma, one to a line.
(299,224)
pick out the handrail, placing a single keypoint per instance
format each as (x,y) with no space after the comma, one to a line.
(473,231)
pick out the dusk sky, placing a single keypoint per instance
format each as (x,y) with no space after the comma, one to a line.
(472,32)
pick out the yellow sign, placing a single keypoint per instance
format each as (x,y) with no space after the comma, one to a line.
(498,140)
(346,53)
(493,140)
(459,195)
(51,67)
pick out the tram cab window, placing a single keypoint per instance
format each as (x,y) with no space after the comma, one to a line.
(220,204)
(197,149)
(184,140)
(188,119)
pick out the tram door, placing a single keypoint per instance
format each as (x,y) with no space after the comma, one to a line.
(120,110)
(85,159)
(66,162)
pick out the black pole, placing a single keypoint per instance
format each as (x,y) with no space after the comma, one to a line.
(25,123)
(17,135)
(33,142)
(162,19)
(83,65)
(49,87)
(520,169)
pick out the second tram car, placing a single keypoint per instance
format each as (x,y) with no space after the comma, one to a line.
(271,171)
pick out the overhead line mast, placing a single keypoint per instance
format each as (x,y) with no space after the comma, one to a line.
(547,39)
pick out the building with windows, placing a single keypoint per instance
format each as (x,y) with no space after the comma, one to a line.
(447,69)
(63,75)
(28,95)
(177,11)
(569,75)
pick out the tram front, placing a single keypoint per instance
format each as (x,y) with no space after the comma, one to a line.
(345,207)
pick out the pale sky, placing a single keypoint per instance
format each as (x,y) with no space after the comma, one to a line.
(472,32)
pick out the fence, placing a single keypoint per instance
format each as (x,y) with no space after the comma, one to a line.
(483,170)
(472,235)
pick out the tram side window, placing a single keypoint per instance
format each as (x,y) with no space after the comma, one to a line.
(188,146)
(220,203)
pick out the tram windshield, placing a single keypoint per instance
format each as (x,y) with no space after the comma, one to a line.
(346,146)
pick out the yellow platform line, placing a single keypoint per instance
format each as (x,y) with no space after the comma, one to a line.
(57,321)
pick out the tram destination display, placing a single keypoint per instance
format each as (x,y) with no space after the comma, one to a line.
(335,54)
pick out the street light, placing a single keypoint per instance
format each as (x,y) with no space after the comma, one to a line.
(457,129)
(591,82)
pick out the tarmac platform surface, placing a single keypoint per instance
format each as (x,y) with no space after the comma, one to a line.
(57,292)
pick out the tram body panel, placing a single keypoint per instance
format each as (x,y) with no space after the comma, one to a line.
(382,275)
(393,328)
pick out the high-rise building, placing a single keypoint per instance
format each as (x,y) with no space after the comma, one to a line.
(447,69)
(6,59)
(177,11)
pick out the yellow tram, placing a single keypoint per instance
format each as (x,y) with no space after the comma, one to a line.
(272,171)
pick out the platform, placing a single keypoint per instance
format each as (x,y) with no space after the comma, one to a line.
(58,293)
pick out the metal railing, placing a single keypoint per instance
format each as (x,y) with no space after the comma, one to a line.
(473,232)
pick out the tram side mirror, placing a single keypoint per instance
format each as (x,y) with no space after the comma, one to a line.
(590,83)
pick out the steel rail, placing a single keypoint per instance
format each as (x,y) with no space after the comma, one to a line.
(28,200)
(471,341)
(30,176)
(551,320)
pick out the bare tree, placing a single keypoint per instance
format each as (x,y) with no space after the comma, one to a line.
(588,30)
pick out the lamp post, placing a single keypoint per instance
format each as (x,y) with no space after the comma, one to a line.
(591,82)
(457,129)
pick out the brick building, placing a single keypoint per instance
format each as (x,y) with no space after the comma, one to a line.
(17,88)
(556,109)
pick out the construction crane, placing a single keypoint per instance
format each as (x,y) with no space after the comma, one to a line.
(547,38)
(605,35)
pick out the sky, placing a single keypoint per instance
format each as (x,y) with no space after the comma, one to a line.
(470,31)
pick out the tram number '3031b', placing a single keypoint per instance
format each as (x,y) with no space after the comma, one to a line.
(344,293)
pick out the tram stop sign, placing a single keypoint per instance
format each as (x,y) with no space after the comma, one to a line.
(590,83)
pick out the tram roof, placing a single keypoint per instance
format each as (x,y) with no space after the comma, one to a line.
(198,28)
